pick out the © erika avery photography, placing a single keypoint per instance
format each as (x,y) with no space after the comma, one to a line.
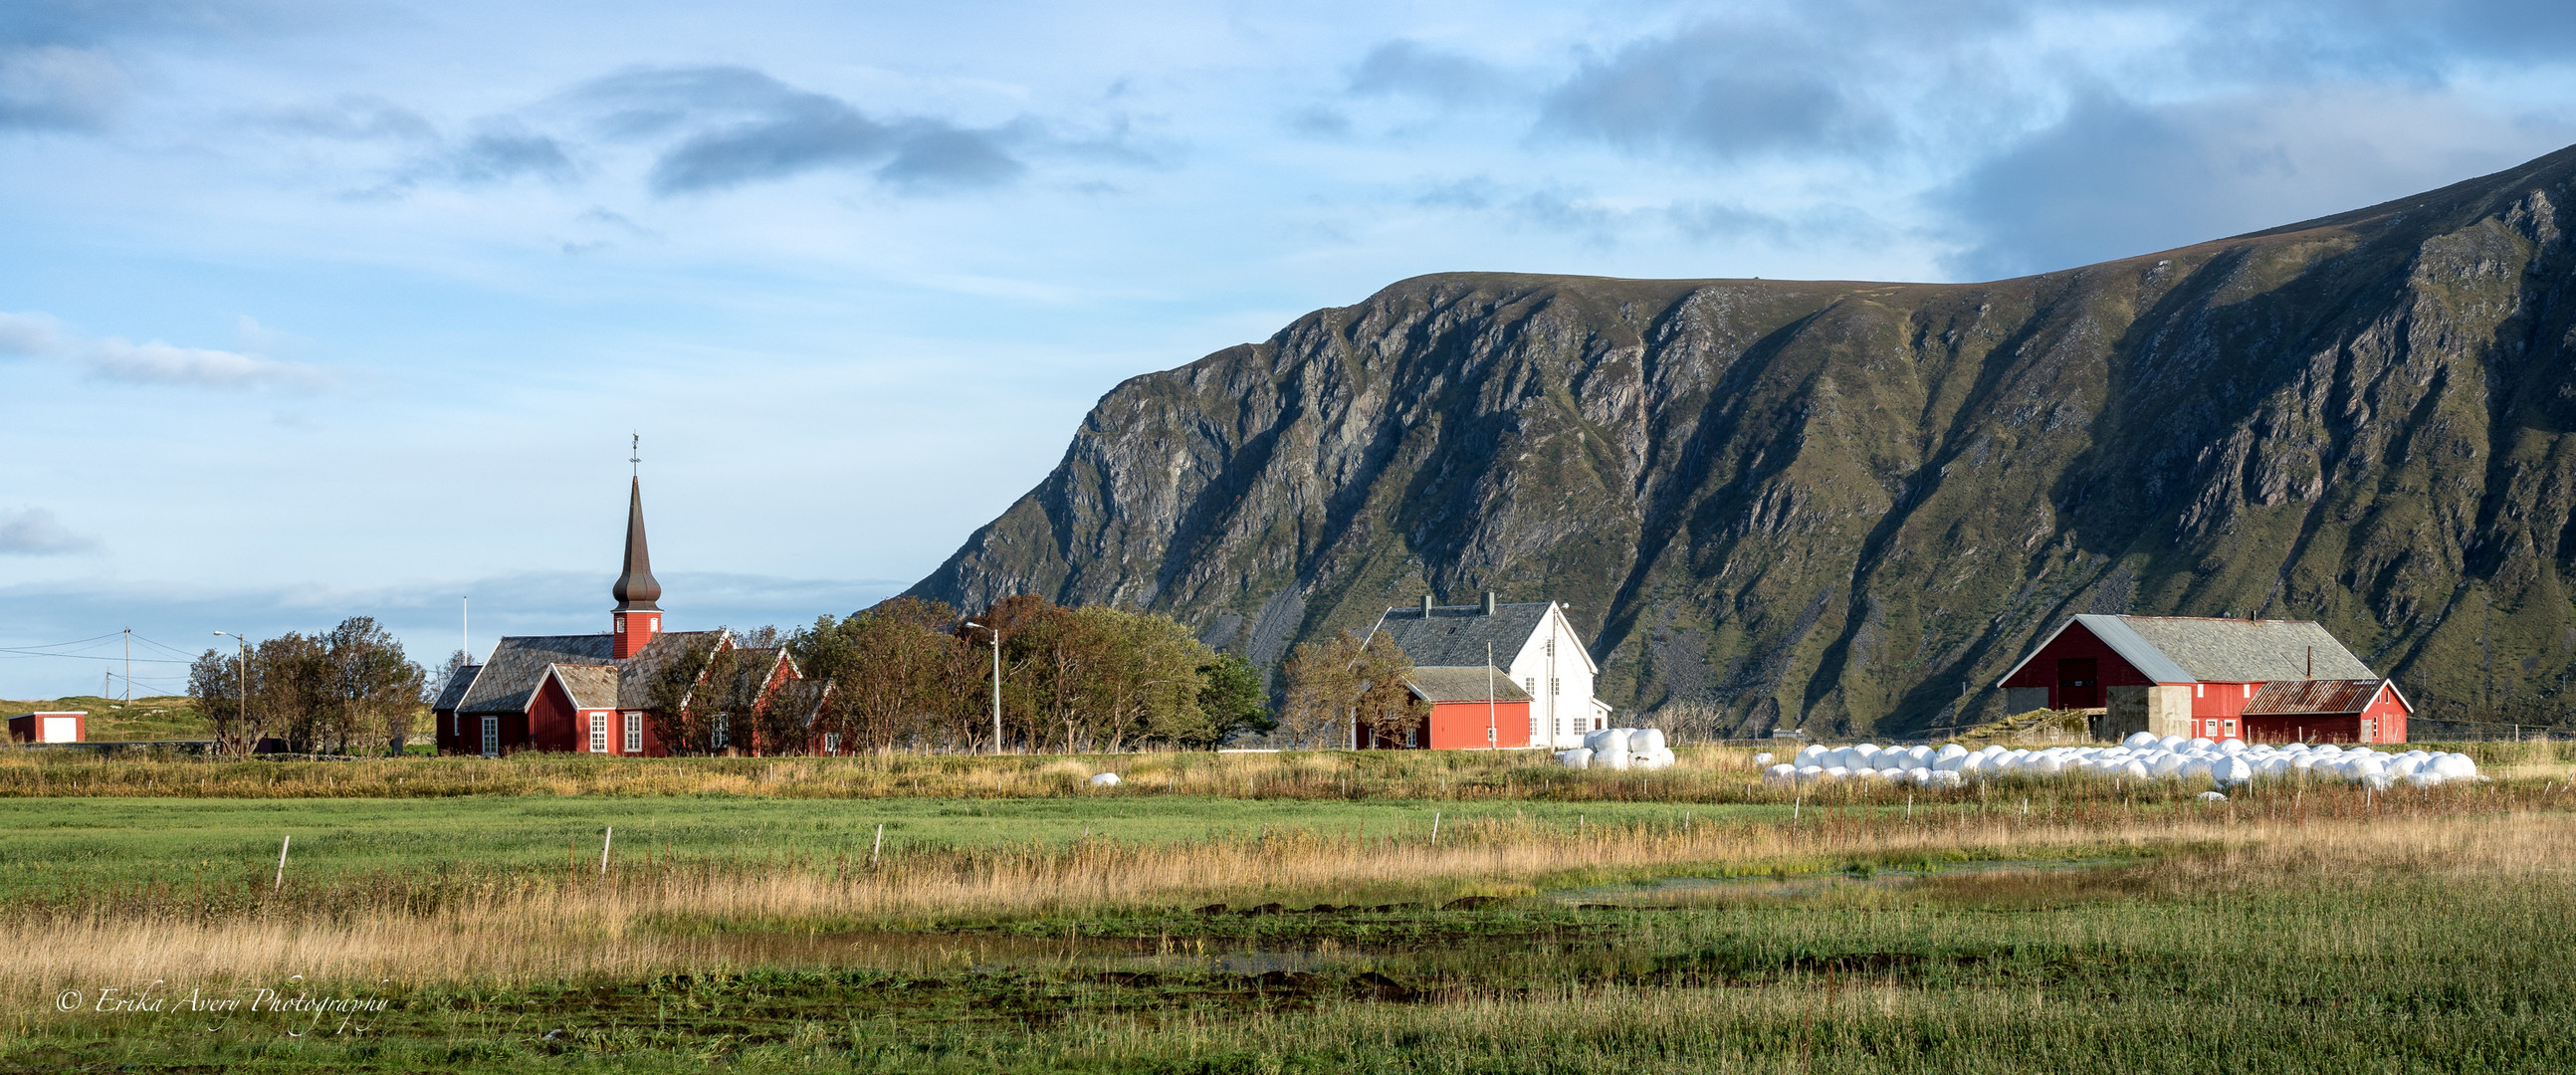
(1740,536)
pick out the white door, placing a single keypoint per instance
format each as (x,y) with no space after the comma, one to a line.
(491,737)
(61,730)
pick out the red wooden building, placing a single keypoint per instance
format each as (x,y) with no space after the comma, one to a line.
(2256,680)
(588,693)
(1471,709)
(69,726)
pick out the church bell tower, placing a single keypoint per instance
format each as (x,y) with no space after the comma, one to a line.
(637,618)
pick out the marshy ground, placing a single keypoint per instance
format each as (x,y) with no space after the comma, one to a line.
(1270,913)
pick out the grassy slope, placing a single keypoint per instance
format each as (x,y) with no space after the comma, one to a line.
(115,720)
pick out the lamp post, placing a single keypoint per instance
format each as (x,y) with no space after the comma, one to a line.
(997,683)
(244,715)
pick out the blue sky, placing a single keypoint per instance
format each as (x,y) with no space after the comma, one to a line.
(320,309)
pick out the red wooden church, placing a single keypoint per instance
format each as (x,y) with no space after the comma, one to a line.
(588,693)
(2269,681)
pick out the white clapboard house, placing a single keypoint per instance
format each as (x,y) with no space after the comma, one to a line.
(1533,645)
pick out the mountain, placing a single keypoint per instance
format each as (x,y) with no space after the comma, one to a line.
(1852,506)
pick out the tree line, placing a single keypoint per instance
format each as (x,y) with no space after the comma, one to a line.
(348,690)
(910,674)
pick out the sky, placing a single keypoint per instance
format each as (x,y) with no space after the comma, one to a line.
(311,310)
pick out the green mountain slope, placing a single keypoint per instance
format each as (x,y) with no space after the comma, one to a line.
(1833,505)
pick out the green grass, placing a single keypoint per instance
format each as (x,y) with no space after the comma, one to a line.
(113,720)
(57,844)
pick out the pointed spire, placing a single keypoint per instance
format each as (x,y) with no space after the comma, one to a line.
(635,589)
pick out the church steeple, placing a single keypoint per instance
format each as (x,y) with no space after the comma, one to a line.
(637,618)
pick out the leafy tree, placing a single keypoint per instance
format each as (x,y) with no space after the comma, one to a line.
(374,689)
(215,684)
(897,673)
(683,721)
(1323,689)
(1232,697)
(1385,706)
(291,684)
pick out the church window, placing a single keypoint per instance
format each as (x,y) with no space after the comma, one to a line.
(599,733)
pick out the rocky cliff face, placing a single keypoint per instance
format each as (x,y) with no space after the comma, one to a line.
(1835,505)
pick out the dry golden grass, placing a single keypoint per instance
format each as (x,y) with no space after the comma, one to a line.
(651,916)
(1702,774)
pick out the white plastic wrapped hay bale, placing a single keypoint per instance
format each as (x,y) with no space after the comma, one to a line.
(1779,774)
(1577,758)
(2139,740)
(1810,773)
(1658,758)
(1646,740)
(2455,766)
(2230,771)
(1835,772)
(1763,758)
(1104,780)
(1613,750)
(1808,754)
(2212,797)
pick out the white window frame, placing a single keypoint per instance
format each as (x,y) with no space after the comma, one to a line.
(832,743)
(635,733)
(599,733)
(723,736)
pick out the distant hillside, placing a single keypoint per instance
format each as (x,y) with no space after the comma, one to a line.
(113,720)
(1835,504)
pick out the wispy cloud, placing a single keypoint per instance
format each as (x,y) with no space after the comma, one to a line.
(730,126)
(36,336)
(35,532)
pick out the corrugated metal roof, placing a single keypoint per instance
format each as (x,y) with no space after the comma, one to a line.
(2319,697)
(1463,685)
(1455,636)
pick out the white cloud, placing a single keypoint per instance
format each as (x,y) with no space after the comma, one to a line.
(35,532)
(30,335)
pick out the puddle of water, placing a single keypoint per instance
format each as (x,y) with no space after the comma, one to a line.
(1670,890)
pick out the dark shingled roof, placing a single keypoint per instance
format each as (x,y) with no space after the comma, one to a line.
(801,699)
(1463,684)
(2183,649)
(519,664)
(2248,651)
(1455,636)
(751,671)
(593,686)
(454,691)
(2318,697)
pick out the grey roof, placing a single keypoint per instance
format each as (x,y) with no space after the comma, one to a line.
(2186,649)
(751,671)
(1435,684)
(454,690)
(519,664)
(1455,636)
(801,699)
(593,686)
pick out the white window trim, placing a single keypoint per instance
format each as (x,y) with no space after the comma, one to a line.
(634,733)
(599,733)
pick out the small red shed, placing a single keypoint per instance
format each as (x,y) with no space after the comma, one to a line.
(2256,680)
(66,726)
(1472,708)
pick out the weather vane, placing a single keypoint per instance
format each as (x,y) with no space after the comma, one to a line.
(635,453)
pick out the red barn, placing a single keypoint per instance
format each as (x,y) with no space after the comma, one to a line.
(1471,709)
(588,693)
(71,726)
(2256,680)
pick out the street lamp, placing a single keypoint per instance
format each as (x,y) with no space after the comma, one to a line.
(244,716)
(997,684)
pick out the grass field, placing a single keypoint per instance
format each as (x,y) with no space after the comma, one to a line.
(1555,926)
(113,720)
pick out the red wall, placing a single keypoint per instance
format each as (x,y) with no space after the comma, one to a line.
(550,718)
(2222,699)
(1461,725)
(2076,641)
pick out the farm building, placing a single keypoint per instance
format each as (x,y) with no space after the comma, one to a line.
(1542,666)
(1471,709)
(2256,680)
(588,693)
(71,726)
